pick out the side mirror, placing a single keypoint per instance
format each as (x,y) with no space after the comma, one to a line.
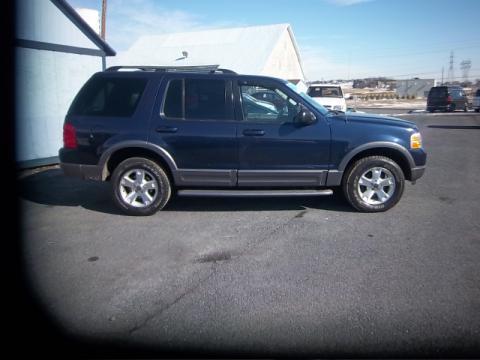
(305,117)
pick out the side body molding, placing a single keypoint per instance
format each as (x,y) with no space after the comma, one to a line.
(181,177)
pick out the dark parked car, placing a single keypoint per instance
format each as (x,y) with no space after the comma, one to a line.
(476,101)
(447,98)
(193,132)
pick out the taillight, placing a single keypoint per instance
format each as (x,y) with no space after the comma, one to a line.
(69,136)
(449,99)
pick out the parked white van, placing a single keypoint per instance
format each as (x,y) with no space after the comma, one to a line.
(329,96)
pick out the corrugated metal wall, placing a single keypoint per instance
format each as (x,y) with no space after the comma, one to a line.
(46,81)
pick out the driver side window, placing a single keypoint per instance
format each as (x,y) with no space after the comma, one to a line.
(267,105)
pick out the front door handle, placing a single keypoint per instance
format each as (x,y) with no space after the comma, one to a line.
(253,132)
(166,129)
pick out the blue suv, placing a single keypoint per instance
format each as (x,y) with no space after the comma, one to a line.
(203,131)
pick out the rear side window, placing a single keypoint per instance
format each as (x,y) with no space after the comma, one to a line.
(457,93)
(116,97)
(196,99)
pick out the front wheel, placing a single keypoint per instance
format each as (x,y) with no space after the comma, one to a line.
(374,184)
(140,186)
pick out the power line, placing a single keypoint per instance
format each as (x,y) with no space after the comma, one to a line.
(416,74)
(447,45)
(364,55)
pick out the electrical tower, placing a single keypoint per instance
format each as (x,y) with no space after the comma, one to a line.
(450,74)
(465,65)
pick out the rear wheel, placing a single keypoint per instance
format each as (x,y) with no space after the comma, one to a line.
(373,184)
(140,186)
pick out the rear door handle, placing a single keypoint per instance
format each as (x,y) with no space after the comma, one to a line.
(166,129)
(253,132)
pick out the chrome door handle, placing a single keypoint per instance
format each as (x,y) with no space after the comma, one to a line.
(253,132)
(166,129)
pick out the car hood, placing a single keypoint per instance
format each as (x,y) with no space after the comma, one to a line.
(377,119)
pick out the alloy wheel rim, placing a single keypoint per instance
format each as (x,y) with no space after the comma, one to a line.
(138,188)
(376,186)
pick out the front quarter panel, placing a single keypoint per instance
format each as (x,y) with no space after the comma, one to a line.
(350,138)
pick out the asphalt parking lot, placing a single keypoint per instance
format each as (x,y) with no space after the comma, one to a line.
(297,276)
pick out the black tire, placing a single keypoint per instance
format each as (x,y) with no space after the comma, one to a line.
(466,108)
(350,183)
(477,110)
(152,170)
(453,108)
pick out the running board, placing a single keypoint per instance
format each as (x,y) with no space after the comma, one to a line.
(254,193)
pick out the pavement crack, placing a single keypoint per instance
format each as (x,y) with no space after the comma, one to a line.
(175,301)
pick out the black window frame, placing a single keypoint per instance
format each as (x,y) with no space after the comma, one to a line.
(229,105)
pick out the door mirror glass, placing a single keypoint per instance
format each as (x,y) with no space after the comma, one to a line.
(305,117)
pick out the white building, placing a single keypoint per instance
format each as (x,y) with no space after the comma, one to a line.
(414,87)
(256,50)
(91,17)
(56,52)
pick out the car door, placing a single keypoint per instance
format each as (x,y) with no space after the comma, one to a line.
(274,150)
(194,122)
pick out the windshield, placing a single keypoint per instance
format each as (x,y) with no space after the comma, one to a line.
(308,99)
(325,91)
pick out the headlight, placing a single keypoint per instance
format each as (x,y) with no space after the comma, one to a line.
(416,141)
(337,107)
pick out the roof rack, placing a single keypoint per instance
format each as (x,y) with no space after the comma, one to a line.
(212,69)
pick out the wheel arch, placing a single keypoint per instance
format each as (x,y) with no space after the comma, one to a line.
(394,151)
(118,153)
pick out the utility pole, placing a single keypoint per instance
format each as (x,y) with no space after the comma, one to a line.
(451,75)
(104,13)
(443,68)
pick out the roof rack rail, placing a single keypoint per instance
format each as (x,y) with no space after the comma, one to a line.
(200,68)
(224,71)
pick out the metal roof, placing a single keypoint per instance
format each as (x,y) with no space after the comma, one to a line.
(245,50)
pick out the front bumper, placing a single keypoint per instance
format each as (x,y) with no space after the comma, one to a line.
(417,172)
(439,107)
(85,172)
